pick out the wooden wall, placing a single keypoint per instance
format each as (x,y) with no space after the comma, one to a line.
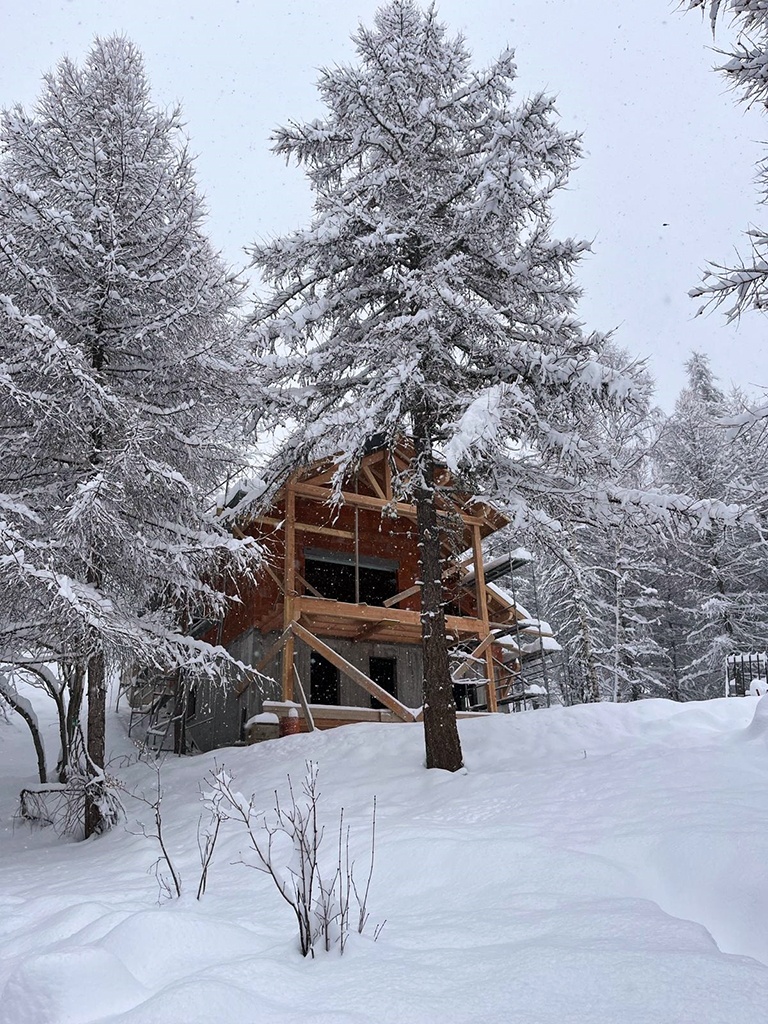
(379,536)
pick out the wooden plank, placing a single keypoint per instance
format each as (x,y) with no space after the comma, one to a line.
(289,577)
(320,472)
(325,713)
(326,531)
(529,631)
(402,595)
(462,670)
(273,575)
(327,609)
(368,474)
(367,501)
(452,570)
(387,477)
(300,579)
(274,650)
(482,607)
(303,701)
(354,673)
(373,627)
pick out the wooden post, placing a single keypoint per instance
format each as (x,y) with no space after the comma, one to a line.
(387,477)
(357,543)
(303,701)
(289,587)
(482,613)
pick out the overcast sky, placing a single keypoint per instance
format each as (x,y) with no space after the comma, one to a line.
(667,181)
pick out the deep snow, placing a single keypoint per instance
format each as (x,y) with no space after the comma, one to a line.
(601,864)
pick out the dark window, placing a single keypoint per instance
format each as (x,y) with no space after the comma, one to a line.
(331,579)
(377,585)
(384,672)
(333,576)
(323,680)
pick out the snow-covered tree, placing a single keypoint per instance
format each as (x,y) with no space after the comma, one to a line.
(121,386)
(716,578)
(743,286)
(428,296)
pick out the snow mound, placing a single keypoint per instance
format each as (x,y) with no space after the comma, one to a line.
(601,864)
(758,727)
(160,947)
(71,985)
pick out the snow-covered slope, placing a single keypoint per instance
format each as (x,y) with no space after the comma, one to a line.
(594,865)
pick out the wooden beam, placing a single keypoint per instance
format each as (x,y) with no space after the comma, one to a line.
(465,666)
(328,609)
(532,632)
(367,501)
(387,477)
(303,701)
(289,577)
(409,592)
(273,575)
(300,579)
(326,531)
(321,472)
(482,608)
(373,627)
(340,715)
(368,474)
(354,673)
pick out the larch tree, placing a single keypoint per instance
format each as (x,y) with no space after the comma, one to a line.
(427,297)
(743,286)
(717,575)
(121,386)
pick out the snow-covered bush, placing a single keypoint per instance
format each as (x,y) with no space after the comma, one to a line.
(287,846)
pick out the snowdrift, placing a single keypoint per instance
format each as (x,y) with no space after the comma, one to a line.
(594,865)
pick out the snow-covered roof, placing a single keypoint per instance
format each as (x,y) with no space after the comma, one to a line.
(506,596)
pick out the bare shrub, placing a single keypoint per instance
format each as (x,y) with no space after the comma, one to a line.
(318,894)
(171,883)
(206,844)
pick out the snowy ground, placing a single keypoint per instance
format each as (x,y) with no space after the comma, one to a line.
(599,865)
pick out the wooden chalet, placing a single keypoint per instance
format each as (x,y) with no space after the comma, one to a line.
(333,621)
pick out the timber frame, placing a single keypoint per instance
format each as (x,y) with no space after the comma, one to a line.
(365,515)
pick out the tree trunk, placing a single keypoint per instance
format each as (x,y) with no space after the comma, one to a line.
(673,687)
(180,703)
(61,711)
(36,739)
(76,686)
(441,734)
(97,706)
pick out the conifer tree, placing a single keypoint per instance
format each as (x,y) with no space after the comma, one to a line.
(429,298)
(745,285)
(716,576)
(121,387)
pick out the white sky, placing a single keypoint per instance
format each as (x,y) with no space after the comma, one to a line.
(665,142)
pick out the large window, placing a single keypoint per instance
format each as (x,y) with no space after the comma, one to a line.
(332,574)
